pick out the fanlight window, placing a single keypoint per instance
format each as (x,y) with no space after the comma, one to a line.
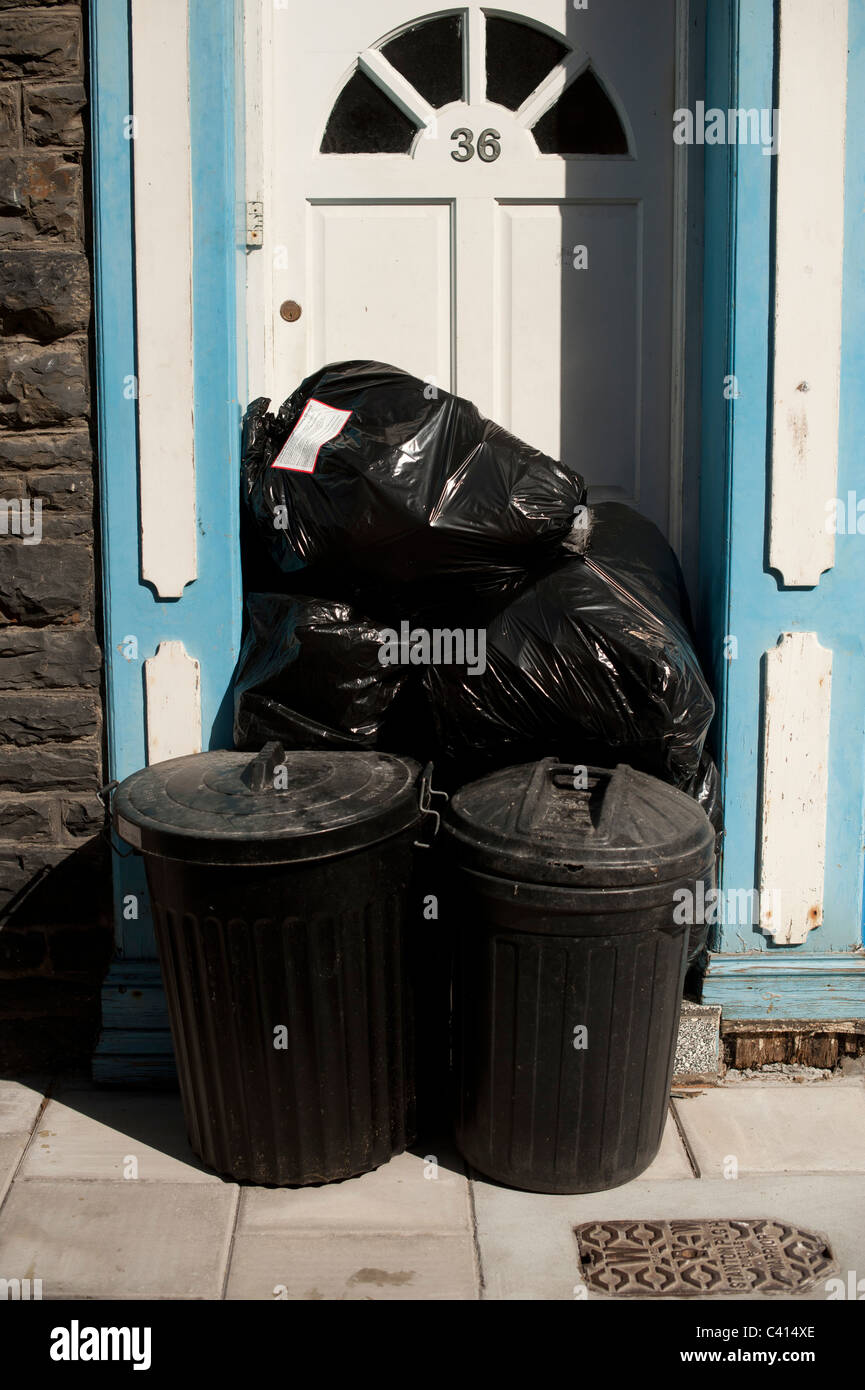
(432,57)
(582,121)
(365,120)
(518,59)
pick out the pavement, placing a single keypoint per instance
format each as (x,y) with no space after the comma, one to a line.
(101,1197)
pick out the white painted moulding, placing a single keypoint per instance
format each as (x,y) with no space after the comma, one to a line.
(811,134)
(375,66)
(797,687)
(172,690)
(163,293)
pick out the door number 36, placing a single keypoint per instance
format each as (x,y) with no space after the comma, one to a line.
(488,146)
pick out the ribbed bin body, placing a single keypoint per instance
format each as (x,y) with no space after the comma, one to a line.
(566,1010)
(575,889)
(286,992)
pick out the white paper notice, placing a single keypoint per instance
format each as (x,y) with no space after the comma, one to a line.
(318,423)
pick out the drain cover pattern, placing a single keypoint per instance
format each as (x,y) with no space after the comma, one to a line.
(677,1259)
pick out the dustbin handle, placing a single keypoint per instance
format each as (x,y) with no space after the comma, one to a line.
(104,796)
(549,769)
(425,792)
(562,777)
(258,775)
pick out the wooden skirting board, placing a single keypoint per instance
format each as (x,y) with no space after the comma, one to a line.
(812,1043)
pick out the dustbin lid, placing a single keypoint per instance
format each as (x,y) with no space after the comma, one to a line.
(537,823)
(242,808)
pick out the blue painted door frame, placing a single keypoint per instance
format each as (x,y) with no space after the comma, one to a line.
(824,978)
(207,617)
(750,976)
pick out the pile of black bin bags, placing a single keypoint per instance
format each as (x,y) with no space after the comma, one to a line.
(420,581)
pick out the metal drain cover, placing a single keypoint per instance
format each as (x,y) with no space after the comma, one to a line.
(680,1259)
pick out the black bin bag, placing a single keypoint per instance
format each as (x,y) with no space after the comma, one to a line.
(372,471)
(593,661)
(309,675)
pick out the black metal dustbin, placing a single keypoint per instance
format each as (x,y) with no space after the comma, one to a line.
(279,886)
(569,964)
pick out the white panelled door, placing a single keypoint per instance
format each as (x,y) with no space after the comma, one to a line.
(485,198)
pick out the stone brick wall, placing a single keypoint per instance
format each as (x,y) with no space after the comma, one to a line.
(55,934)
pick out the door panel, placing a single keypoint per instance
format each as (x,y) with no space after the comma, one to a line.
(547,306)
(399,307)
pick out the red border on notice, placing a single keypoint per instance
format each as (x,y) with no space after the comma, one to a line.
(308,472)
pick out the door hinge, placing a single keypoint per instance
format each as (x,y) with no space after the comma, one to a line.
(254,225)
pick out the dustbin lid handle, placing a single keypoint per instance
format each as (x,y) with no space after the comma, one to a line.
(562,776)
(259,775)
(547,772)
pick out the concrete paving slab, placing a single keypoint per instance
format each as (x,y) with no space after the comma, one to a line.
(19,1105)
(407,1194)
(672,1161)
(111,1134)
(770,1129)
(12,1147)
(125,1240)
(528,1249)
(346,1267)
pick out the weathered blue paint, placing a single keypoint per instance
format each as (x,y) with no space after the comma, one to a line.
(802,985)
(213,618)
(114,294)
(851,549)
(717,408)
(135,1046)
(207,617)
(744,599)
